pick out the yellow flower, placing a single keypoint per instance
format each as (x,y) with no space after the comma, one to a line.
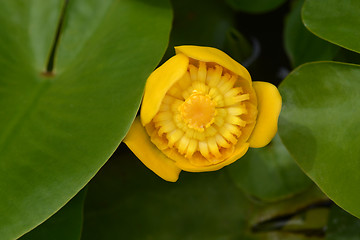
(201,112)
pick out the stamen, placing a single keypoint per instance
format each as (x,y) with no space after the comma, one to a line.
(192,147)
(162,116)
(214,76)
(198,135)
(233,92)
(210,131)
(238,110)
(190,133)
(235,120)
(202,72)
(213,147)
(200,87)
(175,105)
(228,135)
(159,142)
(183,144)
(185,81)
(233,129)
(220,140)
(166,127)
(227,83)
(204,150)
(213,92)
(175,91)
(187,93)
(174,136)
(168,99)
(193,72)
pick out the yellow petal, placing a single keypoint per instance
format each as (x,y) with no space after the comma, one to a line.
(159,83)
(269,107)
(209,54)
(239,151)
(139,143)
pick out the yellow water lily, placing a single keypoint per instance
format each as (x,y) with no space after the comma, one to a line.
(201,112)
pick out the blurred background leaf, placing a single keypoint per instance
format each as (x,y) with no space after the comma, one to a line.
(126,200)
(269,173)
(239,47)
(342,225)
(336,21)
(319,126)
(59,127)
(301,45)
(207,23)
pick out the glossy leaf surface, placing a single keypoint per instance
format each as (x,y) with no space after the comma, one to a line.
(57,129)
(319,126)
(269,173)
(335,21)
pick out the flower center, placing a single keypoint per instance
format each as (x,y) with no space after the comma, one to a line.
(198,111)
(203,116)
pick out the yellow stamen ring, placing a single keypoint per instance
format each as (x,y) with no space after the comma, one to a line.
(202,115)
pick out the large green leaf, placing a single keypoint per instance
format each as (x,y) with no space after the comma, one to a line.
(255,6)
(57,129)
(335,21)
(65,224)
(301,45)
(269,173)
(319,125)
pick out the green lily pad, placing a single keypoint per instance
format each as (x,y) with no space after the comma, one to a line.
(319,125)
(65,224)
(255,6)
(335,21)
(301,45)
(58,128)
(269,173)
